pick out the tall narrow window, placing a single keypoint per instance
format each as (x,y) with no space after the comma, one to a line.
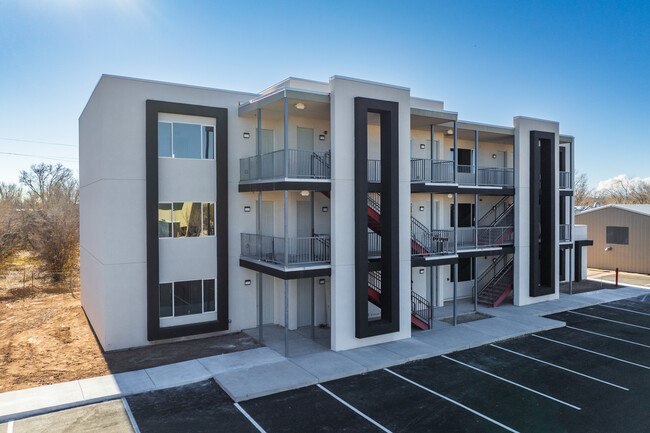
(187,220)
(186,141)
(208,219)
(208,142)
(208,296)
(164,139)
(164,220)
(187,298)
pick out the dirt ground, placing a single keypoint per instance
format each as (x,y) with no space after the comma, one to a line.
(45,337)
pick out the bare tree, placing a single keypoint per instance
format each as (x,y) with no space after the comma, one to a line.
(52,219)
(626,191)
(11,234)
(581,192)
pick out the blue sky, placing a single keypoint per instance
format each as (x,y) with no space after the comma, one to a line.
(585,64)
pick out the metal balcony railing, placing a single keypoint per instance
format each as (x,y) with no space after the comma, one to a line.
(565,180)
(487,176)
(432,170)
(565,232)
(374,244)
(299,251)
(304,164)
(431,242)
(374,170)
(468,238)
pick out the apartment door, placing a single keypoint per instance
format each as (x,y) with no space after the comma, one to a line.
(267,140)
(304,302)
(305,138)
(268,283)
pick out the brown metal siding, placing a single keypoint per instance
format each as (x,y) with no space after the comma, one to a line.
(634,257)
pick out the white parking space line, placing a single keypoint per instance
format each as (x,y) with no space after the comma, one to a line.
(485,417)
(10,427)
(513,383)
(134,424)
(561,368)
(608,336)
(624,309)
(358,412)
(249,418)
(591,351)
(609,320)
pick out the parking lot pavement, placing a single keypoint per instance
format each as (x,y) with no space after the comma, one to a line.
(592,375)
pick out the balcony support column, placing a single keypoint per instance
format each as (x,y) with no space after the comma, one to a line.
(260,288)
(476,156)
(313,253)
(431,227)
(475,271)
(454,269)
(475,220)
(455,151)
(455,222)
(286,317)
(286,136)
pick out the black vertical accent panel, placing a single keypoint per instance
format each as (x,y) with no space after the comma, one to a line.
(154,331)
(543,220)
(389,190)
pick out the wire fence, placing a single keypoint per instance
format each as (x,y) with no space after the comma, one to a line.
(26,281)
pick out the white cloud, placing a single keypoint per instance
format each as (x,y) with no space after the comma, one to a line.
(608,183)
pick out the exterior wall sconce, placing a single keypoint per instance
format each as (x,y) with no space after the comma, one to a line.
(422,146)
(304,193)
(247,208)
(247,135)
(421,208)
(449,196)
(247,282)
(325,209)
(321,281)
(321,137)
(494,156)
(300,106)
(450,132)
(421,271)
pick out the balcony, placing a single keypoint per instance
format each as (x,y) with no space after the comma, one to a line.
(487,176)
(485,237)
(565,180)
(302,164)
(426,242)
(286,252)
(432,170)
(565,232)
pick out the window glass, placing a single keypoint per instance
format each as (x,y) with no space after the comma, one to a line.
(166,300)
(465,270)
(187,140)
(617,235)
(208,295)
(208,219)
(187,298)
(207,151)
(164,139)
(187,220)
(164,220)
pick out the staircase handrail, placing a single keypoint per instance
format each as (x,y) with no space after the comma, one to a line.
(504,270)
(421,308)
(493,209)
(374,203)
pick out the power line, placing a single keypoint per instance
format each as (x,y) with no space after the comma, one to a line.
(36,141)
(41,156)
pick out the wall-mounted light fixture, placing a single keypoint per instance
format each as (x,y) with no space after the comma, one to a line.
(247,135)
(450,132)
(449,196)
(247,282)
(421,271)
(247,208)
(300,106)
(422,146)
(321,281)
(304,193)
(321,137)
(421,208)
(494,156)
(325,209)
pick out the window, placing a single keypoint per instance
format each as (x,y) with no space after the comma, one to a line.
(208,219)
(185,219)
(184,298)
(617,235)
(185,140)
(466,215)
(465,160)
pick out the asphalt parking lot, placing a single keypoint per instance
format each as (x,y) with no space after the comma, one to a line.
(591,376)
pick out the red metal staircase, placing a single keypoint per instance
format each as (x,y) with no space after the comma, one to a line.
(499,277)
(421,312)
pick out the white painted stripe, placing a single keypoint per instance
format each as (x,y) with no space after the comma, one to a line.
(609,320)
(561,368)
(453,402)
(250,418)
(608,336)
(340,400)
(10,427)
(624,309)
(134,424)
(591,351)
(513,383)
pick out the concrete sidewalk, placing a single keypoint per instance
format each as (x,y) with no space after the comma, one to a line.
(263,371)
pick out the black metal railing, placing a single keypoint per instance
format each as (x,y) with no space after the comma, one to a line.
(421,308)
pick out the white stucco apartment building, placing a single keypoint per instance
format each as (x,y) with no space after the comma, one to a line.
(348,204)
